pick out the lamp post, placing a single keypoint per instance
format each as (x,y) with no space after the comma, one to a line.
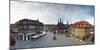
(54,38)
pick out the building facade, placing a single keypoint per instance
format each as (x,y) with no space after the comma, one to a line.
(49,27)
(81,30)
(28,28)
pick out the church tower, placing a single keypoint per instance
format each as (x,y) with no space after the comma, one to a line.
(67,23)
(37,19)
(60,20)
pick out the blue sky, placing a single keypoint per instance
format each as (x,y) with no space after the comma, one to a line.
(48,13)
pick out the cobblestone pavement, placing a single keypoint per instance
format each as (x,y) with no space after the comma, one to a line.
(47,41)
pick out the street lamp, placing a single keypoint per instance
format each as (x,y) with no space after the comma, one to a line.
(54,38)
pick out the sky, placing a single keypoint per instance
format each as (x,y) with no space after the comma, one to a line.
(49,13)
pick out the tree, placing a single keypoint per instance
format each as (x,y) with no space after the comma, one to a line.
(12,40)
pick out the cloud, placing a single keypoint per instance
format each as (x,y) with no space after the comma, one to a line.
(49,13)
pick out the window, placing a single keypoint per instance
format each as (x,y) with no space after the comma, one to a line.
(28,21)
(24,27)
(24,22)
(31,27)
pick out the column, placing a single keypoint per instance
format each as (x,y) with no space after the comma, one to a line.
(28,37)
(23,37)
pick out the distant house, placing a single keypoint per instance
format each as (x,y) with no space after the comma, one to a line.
(50,27)
(81,30)
(28,28)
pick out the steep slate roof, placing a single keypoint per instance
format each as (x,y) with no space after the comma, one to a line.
(33,22)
